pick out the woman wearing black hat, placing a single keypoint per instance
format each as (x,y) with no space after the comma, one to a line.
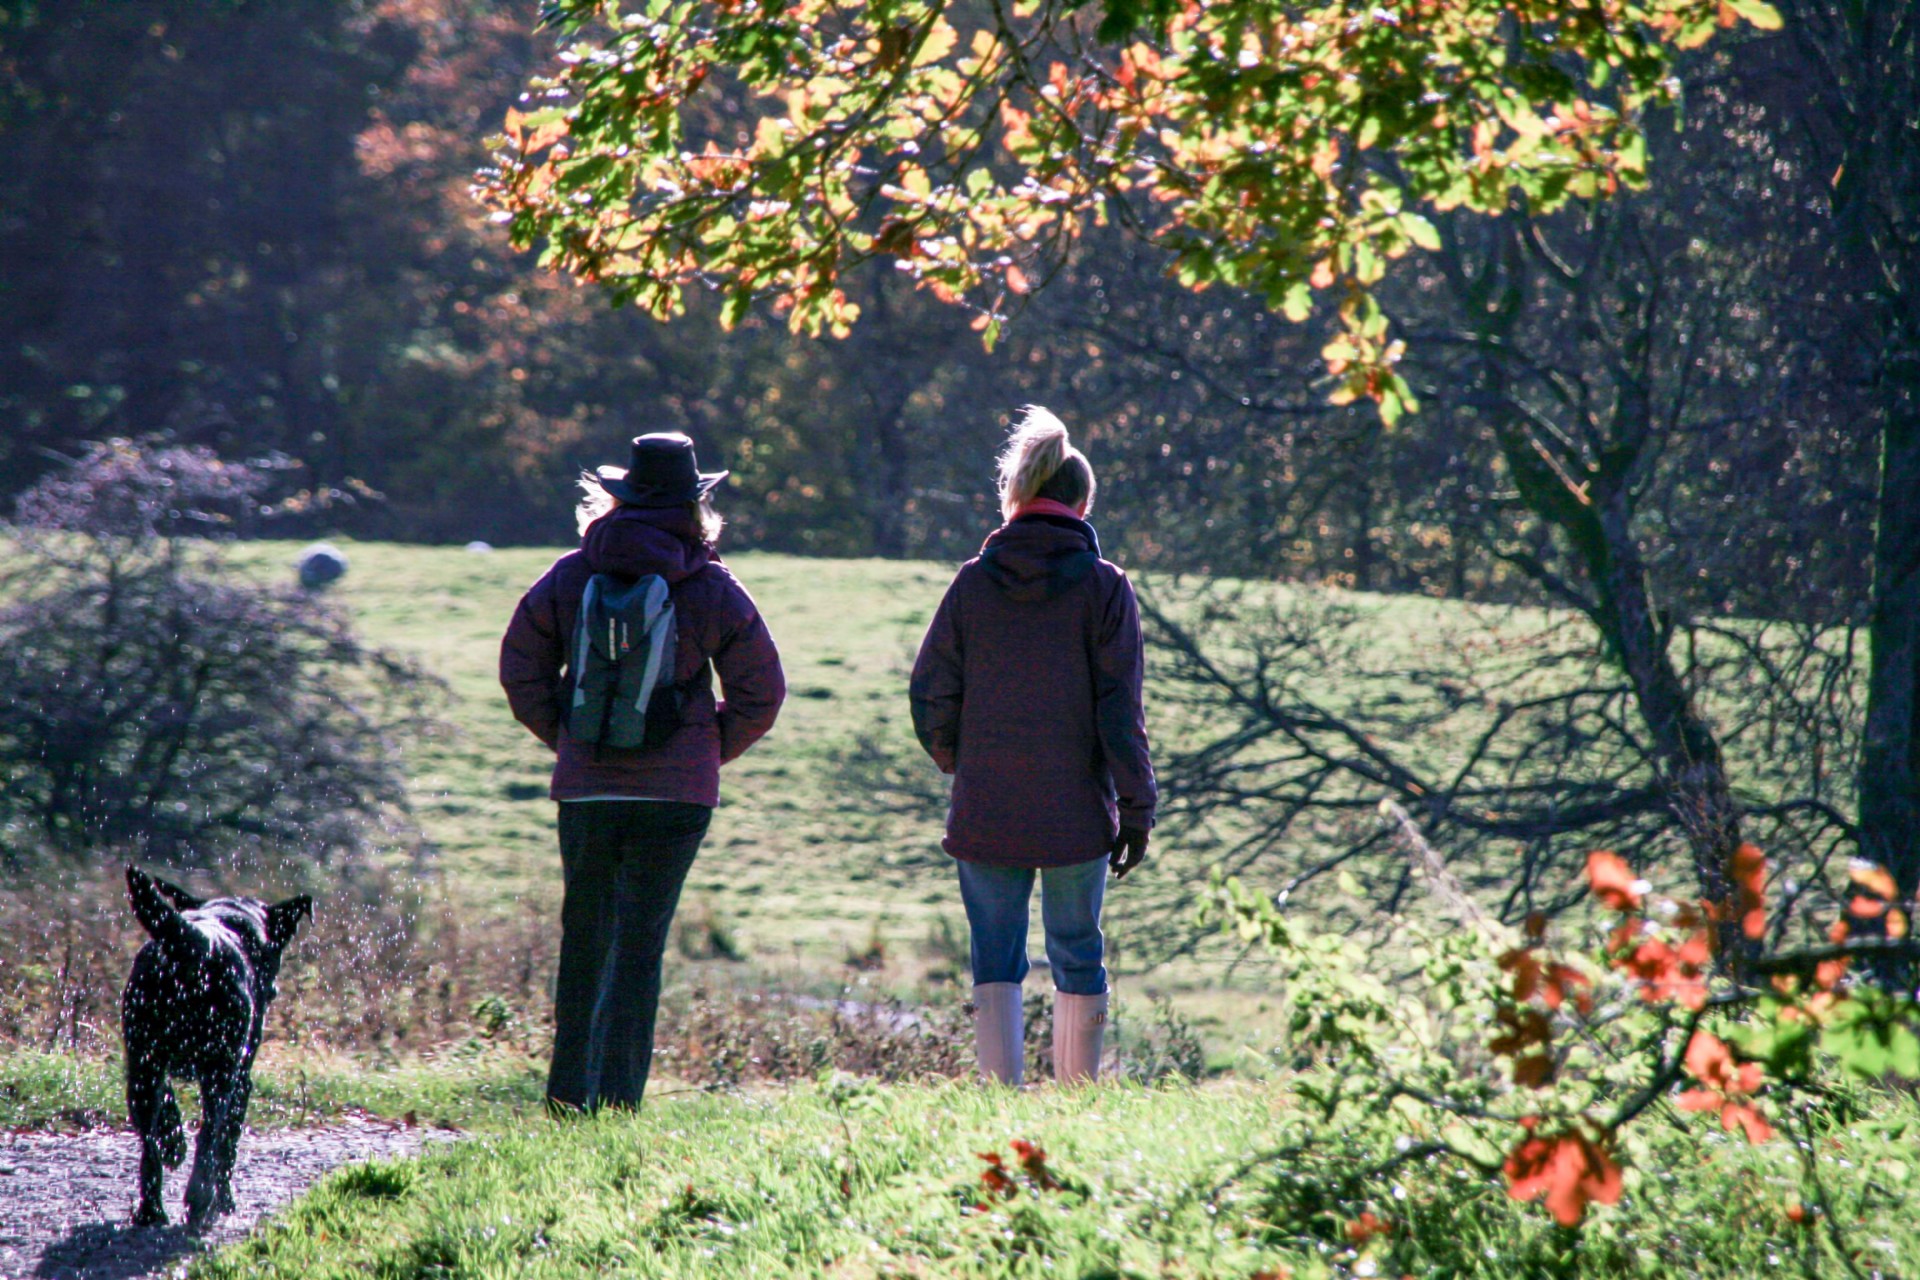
(633,810)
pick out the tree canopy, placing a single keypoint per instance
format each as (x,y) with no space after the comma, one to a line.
(1280,148)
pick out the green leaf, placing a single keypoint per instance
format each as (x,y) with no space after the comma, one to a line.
(1758,12)
(1420,231)
(1873,1036)
(1390,407)
(1297,302)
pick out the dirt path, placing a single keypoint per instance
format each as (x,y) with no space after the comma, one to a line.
(65,1198)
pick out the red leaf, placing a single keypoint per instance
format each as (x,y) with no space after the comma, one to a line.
(1748,870)
(1828,973)
(1562,978)
(1568,1169)
(1709,1060)
(1366,1227)
(1738,1115)
(1613,881)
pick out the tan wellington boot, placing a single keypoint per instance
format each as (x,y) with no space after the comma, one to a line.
(1079,1034)
(999,1033)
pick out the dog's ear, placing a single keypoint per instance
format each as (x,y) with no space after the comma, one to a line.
(285,917)
(157,916)
(176,895)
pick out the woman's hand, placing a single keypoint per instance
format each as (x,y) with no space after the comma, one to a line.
(1129,851)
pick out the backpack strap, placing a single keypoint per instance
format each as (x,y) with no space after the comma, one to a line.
(582,641)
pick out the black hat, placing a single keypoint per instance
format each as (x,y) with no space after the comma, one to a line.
(661,473)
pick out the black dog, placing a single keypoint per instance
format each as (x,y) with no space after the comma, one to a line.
(194,1009)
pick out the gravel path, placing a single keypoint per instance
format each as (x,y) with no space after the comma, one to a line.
(65,1199)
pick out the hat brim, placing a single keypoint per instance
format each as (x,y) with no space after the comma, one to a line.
(614,481)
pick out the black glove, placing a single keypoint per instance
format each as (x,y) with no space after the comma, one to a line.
(1129,851)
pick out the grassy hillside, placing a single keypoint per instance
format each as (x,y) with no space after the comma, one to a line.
(826,843)
(784,846)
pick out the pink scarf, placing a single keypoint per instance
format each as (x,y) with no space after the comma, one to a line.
(1048,507)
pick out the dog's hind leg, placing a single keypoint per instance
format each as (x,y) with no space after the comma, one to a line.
(155,1115)
(223,1108)
(228,1142)
(203,1182)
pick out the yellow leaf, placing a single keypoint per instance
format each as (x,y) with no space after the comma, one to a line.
(1872,877)
(769,138)
(938,44)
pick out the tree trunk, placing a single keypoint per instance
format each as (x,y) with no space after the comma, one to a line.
(1890,749)
(1692,770)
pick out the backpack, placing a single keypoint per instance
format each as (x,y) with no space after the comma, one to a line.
(623,654)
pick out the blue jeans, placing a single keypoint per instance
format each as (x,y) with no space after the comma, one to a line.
(1070,897)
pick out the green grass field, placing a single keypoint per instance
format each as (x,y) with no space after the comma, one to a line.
(789,857)
(827,840)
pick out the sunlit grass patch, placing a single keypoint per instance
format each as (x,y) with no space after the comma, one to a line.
(840,1179)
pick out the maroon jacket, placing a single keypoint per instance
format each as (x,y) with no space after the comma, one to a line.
(719,630)
(1028,690)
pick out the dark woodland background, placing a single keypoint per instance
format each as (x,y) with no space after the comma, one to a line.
(247,225)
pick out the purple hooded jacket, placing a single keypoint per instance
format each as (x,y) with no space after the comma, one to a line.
(719,629)
(1028,690)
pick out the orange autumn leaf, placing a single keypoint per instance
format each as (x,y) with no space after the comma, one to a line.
(1738,1115)
(1561,979)
(1568,1169)
(1748,871)
(1526,971)
(1873,878)
(1525,1028)
(1613,881)
(1866,908)
(1669,974)
(1711,1062)
(1729,1085)
(1535,1071)
(1367,1226)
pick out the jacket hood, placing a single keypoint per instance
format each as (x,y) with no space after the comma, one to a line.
(1039,557)
(636,541)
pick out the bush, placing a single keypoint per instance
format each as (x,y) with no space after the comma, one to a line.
(152,700)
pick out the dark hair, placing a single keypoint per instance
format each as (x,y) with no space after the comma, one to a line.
(1072,484)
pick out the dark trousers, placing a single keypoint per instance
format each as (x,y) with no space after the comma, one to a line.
(625,861)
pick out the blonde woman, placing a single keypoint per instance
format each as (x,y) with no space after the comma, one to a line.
(1028,691)
(632,814)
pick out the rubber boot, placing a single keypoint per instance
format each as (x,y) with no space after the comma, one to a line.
(1079,1034)
(999,1034)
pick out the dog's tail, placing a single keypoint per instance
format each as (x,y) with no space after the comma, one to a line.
(159,917)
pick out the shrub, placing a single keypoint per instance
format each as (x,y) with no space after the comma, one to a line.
(153,700)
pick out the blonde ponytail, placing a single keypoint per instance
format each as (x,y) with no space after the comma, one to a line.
(1038,462)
